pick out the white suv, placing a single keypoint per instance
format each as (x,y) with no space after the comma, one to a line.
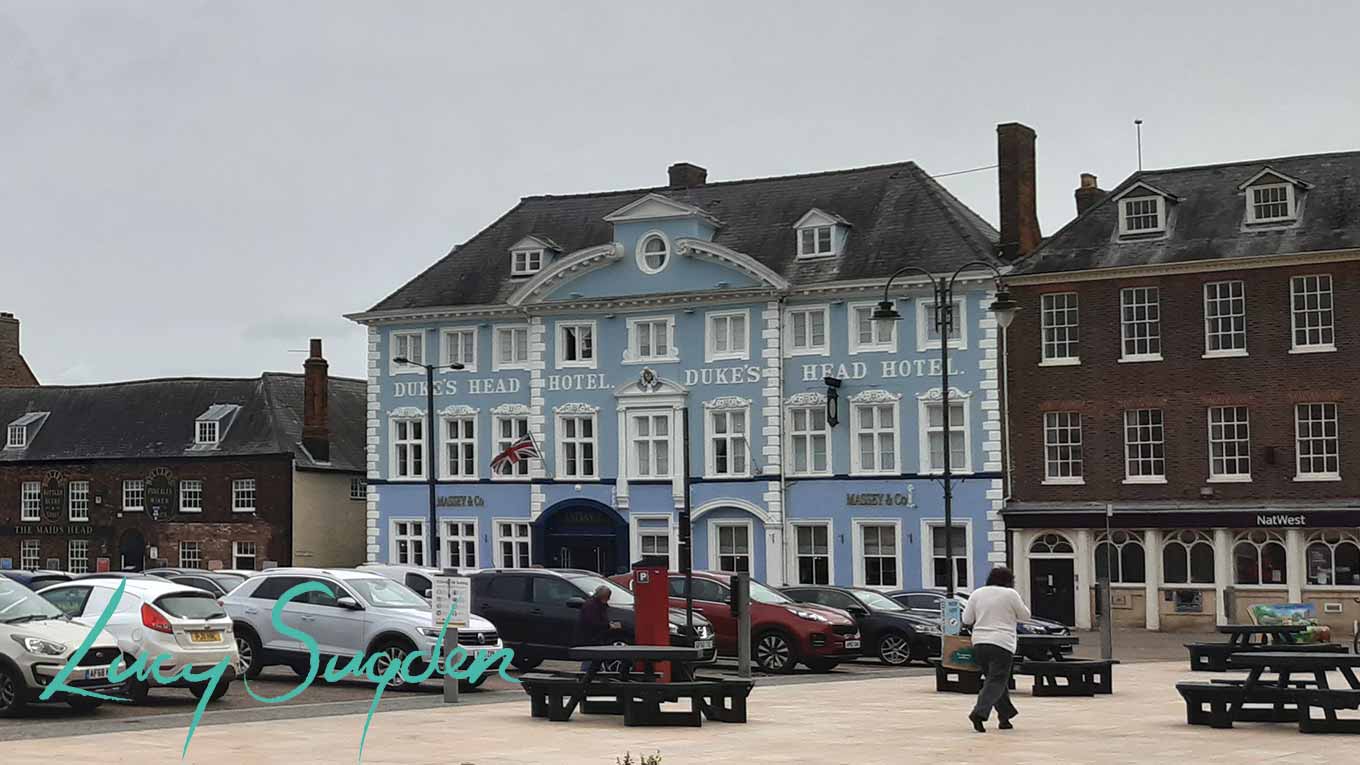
(362,613)
(156,617)
(36,641)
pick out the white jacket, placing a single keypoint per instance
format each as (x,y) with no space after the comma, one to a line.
(992,612)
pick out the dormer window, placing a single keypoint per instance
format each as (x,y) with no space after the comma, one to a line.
(526,262)
(820,234)
(1270,203)
(20,432)
(1141,215)
(211,426)
(207,433)
(814,241)
(652,253)
(17,437)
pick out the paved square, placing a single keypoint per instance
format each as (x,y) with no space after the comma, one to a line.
(891,720)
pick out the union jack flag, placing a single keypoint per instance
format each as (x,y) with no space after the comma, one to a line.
(523,449)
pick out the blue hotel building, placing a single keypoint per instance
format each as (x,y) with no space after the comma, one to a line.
(596,322)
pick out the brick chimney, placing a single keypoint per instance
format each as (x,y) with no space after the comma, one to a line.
(683,175)
(14,371)
(1015,170)
(1088,193)
(316,430)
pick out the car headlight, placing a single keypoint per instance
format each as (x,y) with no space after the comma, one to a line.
(675,628)
(432,632)
(40,647)
(811,616)
(928,629)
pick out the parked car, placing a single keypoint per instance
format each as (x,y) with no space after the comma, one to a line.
(887,628)
(215,582)
(35,580)
(36,641)
(154,618)
(362,613)
(244,573)
(928,603)
(783,633)
(418,578)
(536,611)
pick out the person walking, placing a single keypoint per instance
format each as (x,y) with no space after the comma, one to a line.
(593,625)
(993,612)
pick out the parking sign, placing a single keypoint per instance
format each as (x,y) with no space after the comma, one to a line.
(451,594)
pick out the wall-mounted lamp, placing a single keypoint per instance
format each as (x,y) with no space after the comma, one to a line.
(833,401)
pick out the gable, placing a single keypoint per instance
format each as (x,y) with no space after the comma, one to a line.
(656,207)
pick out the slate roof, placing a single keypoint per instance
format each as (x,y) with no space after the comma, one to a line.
(898,214)
(152,419)
(1208,222)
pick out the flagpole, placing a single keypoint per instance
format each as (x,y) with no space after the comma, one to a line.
(542,456)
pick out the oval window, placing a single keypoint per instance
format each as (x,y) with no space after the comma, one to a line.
(653,253)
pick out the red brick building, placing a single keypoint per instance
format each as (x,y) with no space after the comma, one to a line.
(1186,374)
(189,472)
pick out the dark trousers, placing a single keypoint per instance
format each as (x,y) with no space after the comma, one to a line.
(995,663)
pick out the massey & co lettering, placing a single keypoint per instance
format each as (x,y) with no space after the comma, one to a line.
(460,502)
(874,499)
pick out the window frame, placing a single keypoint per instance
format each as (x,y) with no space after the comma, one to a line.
(797,556)
(791,434)
(637,531)
(715,556)
(395,444)
(522,470)
(447,359)
(817,252)
(499,364)
(71,556)
(633,353)
(30,554)
(446,439)
(417,543)
(1050,429)
(134,487)
(925,321)
(928,528)
(78,500)
(563,440)
(207,432)
(1073,330)
(237,554)
(1144,478)
(1324,537)
(1290,202)
(527,539)
(184,495)
(857,468)
(1295,312)
(453,539)
(521,261)
(791,348)
(19,442)
(395,340)
(198,554)
(925,429)
(1210,332)
(1212,442)
(640,252)
(633,460)
(711,319)
(244,497)
(1335,418)
(1268,537)
(362,485)
(878,344)
(1131,538)
(1159,210)
(560,344)
(860,576)
(1125,324)
(30,502)
(711,437)
(1171,537)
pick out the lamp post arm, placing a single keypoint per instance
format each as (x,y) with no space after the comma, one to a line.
(966,266)
(903,270)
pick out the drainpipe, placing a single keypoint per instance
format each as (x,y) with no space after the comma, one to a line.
(783,480)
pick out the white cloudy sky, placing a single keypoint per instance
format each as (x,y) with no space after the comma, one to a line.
(198,187)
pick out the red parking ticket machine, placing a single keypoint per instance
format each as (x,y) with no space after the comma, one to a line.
(651,609)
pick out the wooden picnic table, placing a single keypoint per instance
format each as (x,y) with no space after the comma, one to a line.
(1045,646)
(1279,693)
(682,658)
(1245,636)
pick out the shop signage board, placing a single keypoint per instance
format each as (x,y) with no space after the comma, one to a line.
(53,497)
(451,593)
(159,493)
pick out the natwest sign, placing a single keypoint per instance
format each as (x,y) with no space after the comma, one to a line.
(1280,519)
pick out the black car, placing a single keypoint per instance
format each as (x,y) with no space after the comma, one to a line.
(889,630)
(36,580)
(535,611)
(208,581)
(927,603)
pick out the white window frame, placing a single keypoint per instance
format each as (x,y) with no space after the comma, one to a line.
(561,344)
(243,495)
(1159,207)
(925,320)
(1291,211)
(78,550)
(637,530)
(395,445)
(30,501)
(526,261)
(634,466)
(454,538)
(396,339)
(640,256)
(30,554)
(923,405)
(714,546)
(1218,299)
(358,489)
(207,432)
(792,434)
(416,556)
(711,320)
(78,501)
(817,251)
(563,462)
(1048,315)
(1236,443)
(1125,325)
(928,528)
(191,487)
(197,556)
(878,344)
(1051,430)
(856,464)
(790,346)
(711,437)
(16,437)
(1335,411)
(1295,312)
(499,364)
(1128,459)
(134,488)
(446,439)
(857,549)
(1197,537)
(523,470)
(795,557)
(515,538)
(633,353)
(237,553)
(447,358)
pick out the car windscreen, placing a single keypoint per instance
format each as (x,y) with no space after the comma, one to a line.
(618,596)
(228,582)
(191,605)
(762,594)
(385,593)
(20,604)
(878,602)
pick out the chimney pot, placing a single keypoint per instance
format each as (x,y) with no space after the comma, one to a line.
(1088,193)
(316,431)
(683,175)
(1016,188)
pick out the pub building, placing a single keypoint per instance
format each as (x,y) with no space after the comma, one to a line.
(1187,380)
(602,323)
(184,472)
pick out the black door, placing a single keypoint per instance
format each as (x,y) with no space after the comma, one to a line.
(1053,589)
(593,554)
(132,550)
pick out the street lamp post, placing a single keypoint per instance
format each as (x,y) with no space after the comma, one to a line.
(429,445)
(1004,308)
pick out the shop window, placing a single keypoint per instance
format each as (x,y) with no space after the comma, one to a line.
(1259,558)
(1120,556)
(1051,543)
(1333,557)
(1188,558)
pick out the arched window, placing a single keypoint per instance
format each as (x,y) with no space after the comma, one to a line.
(1121,555)
(1187,557)
(1050,543)
(1333,557)
(1259,558)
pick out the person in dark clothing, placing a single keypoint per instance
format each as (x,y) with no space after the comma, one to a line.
(593,625)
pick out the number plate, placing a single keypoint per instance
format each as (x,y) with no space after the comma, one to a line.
(210,636)
(852,644)
(98,673)
(703,645)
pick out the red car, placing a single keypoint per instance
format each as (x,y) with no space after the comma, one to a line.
(783,633)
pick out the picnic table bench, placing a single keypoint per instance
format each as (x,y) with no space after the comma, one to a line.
(1282,699)
(1213,657)
(1055,674)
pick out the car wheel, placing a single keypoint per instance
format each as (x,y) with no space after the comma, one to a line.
(821,665)
(394,651)
(11,693)
(83,705)
(525,663)
(894,649)
(774,653)
(198,689)
(248,647)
